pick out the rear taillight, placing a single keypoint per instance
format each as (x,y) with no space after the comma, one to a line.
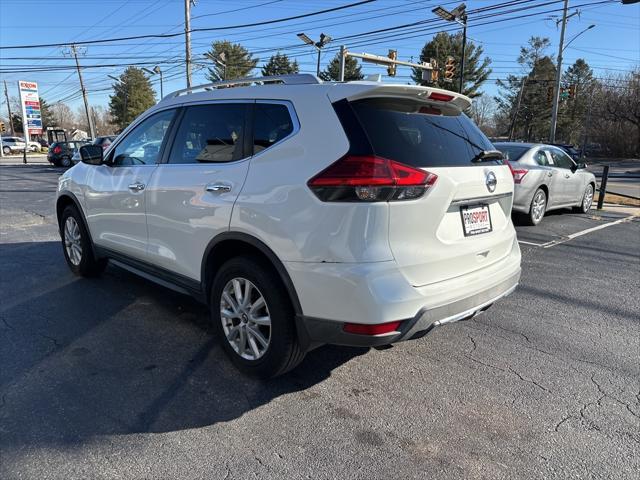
(518,173)
(57,149)
(368,178)
(375,329)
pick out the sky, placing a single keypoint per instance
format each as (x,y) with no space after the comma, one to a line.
(611,47)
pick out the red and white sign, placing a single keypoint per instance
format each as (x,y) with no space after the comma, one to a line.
(30,103)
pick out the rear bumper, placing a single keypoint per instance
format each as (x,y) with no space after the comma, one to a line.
(381,294)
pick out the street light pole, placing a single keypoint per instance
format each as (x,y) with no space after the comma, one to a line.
(464,46)
(156,70)
(324,39)
(458,15)
(556,86)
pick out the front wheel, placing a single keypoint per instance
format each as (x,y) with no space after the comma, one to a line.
(6,150)
(65,162)
(587,200)
(78,251)
(253,318)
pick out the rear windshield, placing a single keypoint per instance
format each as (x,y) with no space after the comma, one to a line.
(415,134)
(512,152)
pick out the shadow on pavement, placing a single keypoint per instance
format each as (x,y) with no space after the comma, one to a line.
(116,355)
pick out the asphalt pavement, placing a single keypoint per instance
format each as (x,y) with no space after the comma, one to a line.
(117,377)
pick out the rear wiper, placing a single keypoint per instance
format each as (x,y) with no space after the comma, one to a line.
(488,155)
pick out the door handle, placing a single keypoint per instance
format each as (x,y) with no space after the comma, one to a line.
(136,187)
(550,174)
(218,188)
(566,175)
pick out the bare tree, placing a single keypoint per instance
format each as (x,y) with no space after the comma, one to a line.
(482,112)
(103,121)
(63,116)
(614,115)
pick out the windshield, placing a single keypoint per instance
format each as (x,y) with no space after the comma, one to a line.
(512,152)
(420,135)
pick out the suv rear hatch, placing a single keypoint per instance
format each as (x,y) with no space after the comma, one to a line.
(462,222)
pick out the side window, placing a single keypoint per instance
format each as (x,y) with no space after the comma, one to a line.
(541,158)
(561,159)
(271,123)
(142,145)
(211,133)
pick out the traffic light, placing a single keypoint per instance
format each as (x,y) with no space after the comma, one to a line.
(434,70)
(564,93)
(391,69)
(2,128)
(572,90)
(449,69)
(550,95)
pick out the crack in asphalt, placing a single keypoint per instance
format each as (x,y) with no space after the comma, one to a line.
(507,370)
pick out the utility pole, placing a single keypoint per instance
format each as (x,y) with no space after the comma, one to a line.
(187,38)
(92,130)
(556,88)
(515,114)
(6,95)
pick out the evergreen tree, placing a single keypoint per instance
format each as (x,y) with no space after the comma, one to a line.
(132,95)
(532,122)
(572,112)
(443,45)
(46,115)
(238,61)
(352,70)
(279,64)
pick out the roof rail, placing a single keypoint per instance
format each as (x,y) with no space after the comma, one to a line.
(294,79)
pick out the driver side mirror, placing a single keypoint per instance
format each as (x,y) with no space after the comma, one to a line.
(582,166)
(92,154)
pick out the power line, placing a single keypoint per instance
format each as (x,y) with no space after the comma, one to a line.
(208,29)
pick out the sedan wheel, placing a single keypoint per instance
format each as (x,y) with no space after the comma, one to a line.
(538,207)
(245,318)
(65,162)
(587,199)
(6,150)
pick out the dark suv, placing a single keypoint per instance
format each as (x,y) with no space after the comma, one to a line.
(60,153)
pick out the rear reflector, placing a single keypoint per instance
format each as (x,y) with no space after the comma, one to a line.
(441,97)
(370,178)
(376,329)
(518,173)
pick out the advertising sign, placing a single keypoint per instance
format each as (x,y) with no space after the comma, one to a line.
(30,102)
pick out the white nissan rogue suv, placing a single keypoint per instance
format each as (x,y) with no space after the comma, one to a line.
(302,212)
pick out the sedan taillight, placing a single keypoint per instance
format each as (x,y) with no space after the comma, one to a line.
(518,173)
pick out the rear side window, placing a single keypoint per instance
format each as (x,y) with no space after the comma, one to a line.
(271,123)
(211,133)
(512,153)
(399,130)
(541,158)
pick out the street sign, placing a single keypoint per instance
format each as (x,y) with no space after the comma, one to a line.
(30,104)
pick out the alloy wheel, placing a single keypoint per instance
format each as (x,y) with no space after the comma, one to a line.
(245,318)
(588,198)
(72,241)
(539,204)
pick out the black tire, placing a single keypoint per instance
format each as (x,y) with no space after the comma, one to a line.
(586,201)
(88,266)
(65,161)
(283,352)
(6,150)
(534,216)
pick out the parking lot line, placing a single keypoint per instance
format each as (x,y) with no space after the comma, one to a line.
(530,243)
(586,231)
